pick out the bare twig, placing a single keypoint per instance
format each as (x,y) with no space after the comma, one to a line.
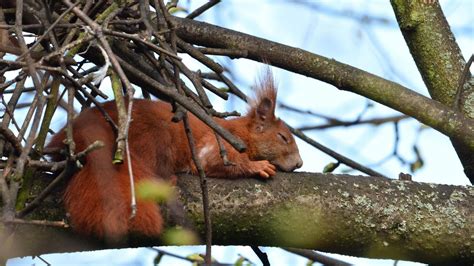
(317,257)
(308,112)
(84,80)
(11,138)
(61,224)
(222,151)
(122,117)
(334,154)
(232,88)
(160,251)
(48,30)
(202,9)
(90,97)
(46,165)
(372,121)
(71,145)
(261,255)
(7,84)
(144,6)
(214,90)
(196,54)
(68,46)
(9,109)
(462,80)
(48,116)
(203,183)
(196,80)
(40,27)
(19,64)
(136,38)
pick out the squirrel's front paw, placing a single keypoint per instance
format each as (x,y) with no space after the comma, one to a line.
(262,168)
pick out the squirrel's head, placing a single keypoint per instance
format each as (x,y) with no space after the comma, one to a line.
(270,139)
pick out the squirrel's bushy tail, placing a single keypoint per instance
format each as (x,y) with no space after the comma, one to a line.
(98,197)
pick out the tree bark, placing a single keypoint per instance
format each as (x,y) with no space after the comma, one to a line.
(439,60)
(353,215)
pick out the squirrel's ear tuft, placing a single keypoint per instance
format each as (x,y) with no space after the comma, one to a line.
(263,103)
(265,109)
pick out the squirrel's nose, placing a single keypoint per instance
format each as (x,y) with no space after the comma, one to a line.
(299,163)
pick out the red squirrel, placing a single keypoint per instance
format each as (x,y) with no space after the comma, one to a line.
(97,197)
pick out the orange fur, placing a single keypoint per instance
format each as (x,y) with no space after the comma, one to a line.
(97,198)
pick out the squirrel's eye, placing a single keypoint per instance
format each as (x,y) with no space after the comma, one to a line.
(283,137)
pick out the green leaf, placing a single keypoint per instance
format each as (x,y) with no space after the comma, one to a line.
(154,190)
(240,261)
(418,163)
(196,258)
(174,10)
(179,237)
(330,167)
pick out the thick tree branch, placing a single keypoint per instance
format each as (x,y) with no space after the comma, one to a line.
(345,77)
(432,45)
(439,60)
(353,215)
